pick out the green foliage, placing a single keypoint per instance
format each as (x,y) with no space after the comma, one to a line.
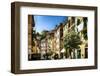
(78,21)
(85,33)
(72,40)
(85,20)
(33,34)
(43,34)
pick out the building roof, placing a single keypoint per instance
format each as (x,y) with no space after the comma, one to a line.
(59,26)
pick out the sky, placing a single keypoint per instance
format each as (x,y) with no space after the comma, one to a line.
(47,22)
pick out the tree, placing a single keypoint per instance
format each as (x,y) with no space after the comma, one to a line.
(85,20)
(33,37)
(43,34)
(71,42)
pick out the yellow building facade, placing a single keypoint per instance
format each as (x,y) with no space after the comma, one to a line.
(78,24)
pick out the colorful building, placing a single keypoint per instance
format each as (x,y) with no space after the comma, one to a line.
(43,45)
(79,25)
(82,29)
(58,39)
(52,42)
(33,39)
(31,26)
